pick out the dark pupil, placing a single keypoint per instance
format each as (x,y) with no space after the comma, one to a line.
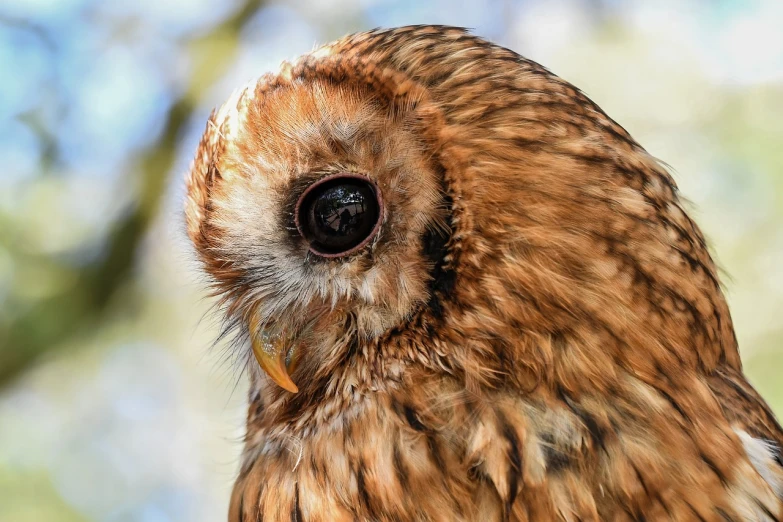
(340,216)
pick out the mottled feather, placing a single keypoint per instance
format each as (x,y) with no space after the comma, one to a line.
(538,331)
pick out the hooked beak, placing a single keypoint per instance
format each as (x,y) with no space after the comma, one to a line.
(270,352)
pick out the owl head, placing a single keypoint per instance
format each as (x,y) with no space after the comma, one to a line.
(419,197)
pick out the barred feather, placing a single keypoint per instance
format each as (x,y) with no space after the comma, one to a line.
(538,331)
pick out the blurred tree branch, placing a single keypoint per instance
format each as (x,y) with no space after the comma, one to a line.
(34,119)
(48,325)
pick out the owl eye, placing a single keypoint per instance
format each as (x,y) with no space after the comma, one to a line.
(339,214)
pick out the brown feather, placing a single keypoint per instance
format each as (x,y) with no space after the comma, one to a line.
(538,331)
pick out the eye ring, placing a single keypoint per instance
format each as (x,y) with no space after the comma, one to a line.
(339,214)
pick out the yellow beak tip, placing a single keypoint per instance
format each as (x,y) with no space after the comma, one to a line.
(289,386)
(273,363)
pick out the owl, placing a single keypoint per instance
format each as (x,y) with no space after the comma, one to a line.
(463,293)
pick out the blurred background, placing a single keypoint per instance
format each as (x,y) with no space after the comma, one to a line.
(113,404)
